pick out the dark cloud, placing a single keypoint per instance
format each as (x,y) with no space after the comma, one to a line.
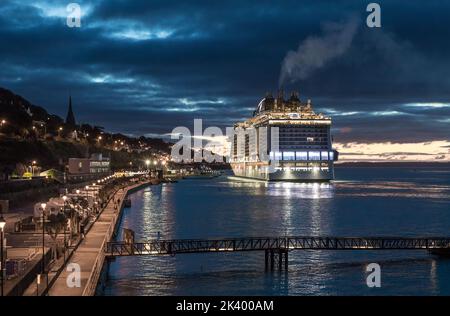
(144,67)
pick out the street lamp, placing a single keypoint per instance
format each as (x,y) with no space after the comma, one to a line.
(65,224)
(33,163)
(43,206)
(2,226)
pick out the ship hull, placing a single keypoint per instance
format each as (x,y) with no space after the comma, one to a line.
(259,173)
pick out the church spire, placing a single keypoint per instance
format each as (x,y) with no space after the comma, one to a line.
(70,119)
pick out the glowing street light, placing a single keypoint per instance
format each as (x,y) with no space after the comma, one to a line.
(33,164)
(43,206)
(2,226)
(65,226)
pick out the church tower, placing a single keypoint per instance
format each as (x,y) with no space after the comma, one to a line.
(70,119)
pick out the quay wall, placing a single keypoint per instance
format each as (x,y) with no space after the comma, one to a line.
(100,261)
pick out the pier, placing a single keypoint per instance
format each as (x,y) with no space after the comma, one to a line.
(276,249)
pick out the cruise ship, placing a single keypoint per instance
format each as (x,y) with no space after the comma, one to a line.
(285,140)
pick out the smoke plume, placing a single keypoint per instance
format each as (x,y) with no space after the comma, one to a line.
(314,52)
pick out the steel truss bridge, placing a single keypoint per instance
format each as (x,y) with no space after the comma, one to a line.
(276,246)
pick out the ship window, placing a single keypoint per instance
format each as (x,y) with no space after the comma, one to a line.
(331,155)
(324,155)
(314,155)
(288,155)
(302,155)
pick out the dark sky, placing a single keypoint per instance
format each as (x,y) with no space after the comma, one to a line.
(145,67)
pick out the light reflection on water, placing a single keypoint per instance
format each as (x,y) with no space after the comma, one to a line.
(367,202)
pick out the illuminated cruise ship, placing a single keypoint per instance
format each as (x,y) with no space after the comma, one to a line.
(283,141)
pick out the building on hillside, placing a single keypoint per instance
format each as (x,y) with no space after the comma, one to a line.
(88,168)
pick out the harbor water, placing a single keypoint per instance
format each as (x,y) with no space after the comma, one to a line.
(361,202)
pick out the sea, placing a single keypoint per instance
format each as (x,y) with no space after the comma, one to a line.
(361,202)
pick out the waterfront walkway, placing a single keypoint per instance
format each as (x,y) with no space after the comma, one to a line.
(89,255)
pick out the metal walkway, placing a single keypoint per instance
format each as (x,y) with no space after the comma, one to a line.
(177,246)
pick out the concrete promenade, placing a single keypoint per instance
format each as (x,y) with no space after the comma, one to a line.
(90,253)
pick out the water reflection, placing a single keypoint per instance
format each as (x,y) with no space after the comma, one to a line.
(285,189)
(366,202)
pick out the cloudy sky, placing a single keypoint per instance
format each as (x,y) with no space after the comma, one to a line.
(145,67)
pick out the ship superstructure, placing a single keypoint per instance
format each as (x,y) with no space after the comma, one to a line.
(285,140)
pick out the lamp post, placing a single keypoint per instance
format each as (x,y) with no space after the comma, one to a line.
(33,164)
(2,226)
(87,199)
(43,206)
(65,224)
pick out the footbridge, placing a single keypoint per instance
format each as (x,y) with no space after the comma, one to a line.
(276,248)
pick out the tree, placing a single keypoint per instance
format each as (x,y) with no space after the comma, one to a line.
(73,215)
(55,225)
